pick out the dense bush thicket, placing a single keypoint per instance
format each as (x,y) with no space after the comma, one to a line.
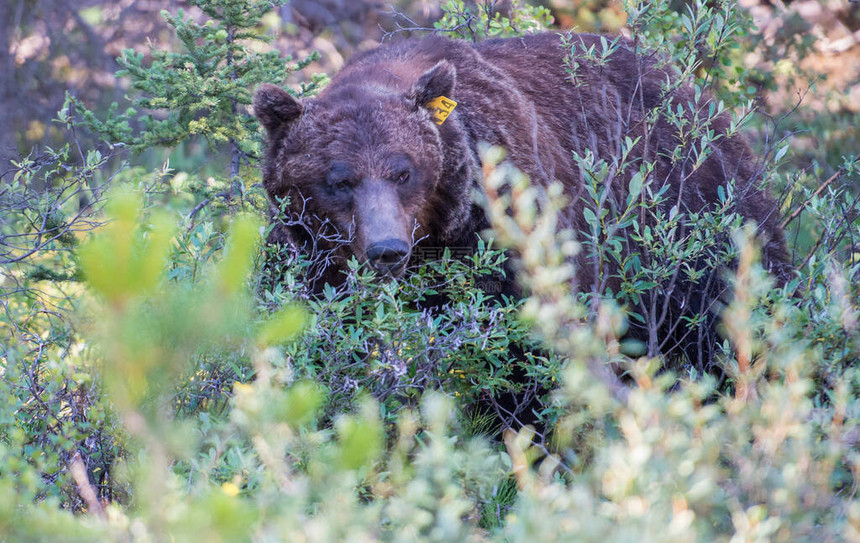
(166,377)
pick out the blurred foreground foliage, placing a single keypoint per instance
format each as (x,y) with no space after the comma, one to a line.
(156,385)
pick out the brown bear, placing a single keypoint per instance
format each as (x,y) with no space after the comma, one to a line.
(372,167)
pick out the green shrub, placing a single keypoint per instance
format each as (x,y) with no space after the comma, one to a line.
(682,461)
(156,384)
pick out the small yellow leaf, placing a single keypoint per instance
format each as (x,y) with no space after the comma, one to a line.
(230,489)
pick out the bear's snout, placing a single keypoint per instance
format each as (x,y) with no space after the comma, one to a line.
(388,256)
(381,231)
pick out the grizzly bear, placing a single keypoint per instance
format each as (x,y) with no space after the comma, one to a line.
(384,163)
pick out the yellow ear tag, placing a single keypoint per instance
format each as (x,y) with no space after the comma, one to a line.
(440,107)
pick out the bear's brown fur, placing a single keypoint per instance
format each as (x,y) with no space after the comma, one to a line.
(367,162)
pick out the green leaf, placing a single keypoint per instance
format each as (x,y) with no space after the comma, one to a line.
(238,259)
(282,326)
(359,437)
(301,403)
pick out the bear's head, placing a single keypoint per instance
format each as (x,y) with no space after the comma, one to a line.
(363,158)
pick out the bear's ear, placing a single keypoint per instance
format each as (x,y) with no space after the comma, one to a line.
(437,81)
(275,108)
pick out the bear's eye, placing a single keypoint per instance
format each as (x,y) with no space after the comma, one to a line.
(340,185)
(402,177)
(340,178)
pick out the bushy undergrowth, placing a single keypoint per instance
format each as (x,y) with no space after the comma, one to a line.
(166,376)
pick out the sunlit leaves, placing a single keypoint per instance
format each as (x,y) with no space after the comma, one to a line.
(124,260)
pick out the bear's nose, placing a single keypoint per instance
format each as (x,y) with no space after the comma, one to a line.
(388,255)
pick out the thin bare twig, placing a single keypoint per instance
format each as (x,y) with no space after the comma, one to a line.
(413,26)
(802,206)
